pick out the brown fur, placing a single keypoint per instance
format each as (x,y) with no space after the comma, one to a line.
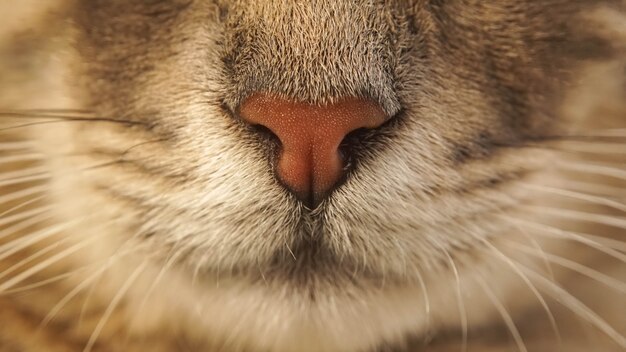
(180,237)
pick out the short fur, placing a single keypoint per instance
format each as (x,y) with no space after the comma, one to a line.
(156,222)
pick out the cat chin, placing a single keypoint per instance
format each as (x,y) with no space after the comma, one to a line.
(237,314)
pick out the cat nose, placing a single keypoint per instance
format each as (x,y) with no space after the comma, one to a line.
(309,160)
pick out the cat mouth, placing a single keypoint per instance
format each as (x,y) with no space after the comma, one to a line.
(303,268)
(307,261)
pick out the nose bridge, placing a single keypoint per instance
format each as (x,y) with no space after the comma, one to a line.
(315,51)
(309,163)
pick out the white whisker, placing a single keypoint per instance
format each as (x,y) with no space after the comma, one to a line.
(24,242)
(611,132)
(601,244)
(80,287)
(43,265)
(593,147)
(506,317)
(427,306)
(595,169)
(20,216)
(168,264)
(26,179)
(114,303)
(574,266)
(24,172)
(22,225)
(532,287)
(532,240)
(580,196)
(9,197)
(459,296)
(575,305)
(47,112)
(44,282)
(22,205)
(32,257)
(614,221)
(593,188)
(121,251)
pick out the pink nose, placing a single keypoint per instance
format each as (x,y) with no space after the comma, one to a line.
(309,163)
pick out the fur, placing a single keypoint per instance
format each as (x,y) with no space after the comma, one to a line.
(462,224)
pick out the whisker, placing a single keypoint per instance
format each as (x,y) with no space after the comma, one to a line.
(20,158)
(9,175)
(601,244)
(196,273)
(167,266)
(459,295)
(58,118)
(67,117)
(44,282)
(532,287)
(43,265)
(427,307)
(9,197)
(22,225)
(25,179)
(22,205)
(595,169)
(114,303)
(32,257)
(540,249)
(30,124)
(506,317)
(617,148)
(83,285)
(21,243)
(614,221)
(593,188)
(122,155)
(577,267)
(575,305)
(580,196)
(70,295)
(120,251)
(52,111)
(20,216)
(587,135)
(615,132)
(589,144)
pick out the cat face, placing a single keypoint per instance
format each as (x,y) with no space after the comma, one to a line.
(464,85)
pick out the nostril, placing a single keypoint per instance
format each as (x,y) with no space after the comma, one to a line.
(270,142)
(352,145)
(267,135)
(316,142)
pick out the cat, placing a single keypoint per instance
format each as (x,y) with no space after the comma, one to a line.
(238,175)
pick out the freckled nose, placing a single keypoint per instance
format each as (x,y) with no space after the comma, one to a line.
(309,161)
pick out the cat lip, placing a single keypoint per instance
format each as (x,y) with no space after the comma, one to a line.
(302,269)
